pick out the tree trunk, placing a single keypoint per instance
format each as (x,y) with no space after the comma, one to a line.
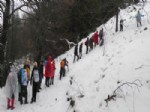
(3,41)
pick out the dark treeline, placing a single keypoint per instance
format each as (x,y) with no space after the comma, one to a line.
(47,23)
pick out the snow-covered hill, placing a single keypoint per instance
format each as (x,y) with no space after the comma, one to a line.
(126,59)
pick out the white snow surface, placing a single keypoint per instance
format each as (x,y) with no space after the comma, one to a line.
(126,59)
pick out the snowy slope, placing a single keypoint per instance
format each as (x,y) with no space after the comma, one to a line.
(126,59)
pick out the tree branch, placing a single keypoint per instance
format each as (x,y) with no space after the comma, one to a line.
(128,83)
(1,3)
(137,83)
(2,10)
(18,8)
(68,42)
(26,12)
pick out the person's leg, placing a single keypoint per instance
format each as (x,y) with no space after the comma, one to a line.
(74,58)
(26,94)
(39,84)
(32,99)
(77,57)
(21,94)
(60,73)
(86,49)
(64,72)
(12,102)
(36,86)
(52,80)
(140,23)
(137,24)
(35,91)
(48,81)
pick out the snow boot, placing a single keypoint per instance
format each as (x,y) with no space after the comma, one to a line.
(12,103)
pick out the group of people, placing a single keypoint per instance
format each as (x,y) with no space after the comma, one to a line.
(138,20)
(96,39)
(18,82)
(24,77)
(21,80)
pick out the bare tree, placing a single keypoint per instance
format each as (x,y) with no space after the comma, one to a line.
(5,9)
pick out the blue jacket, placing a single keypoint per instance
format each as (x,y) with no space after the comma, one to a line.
(24,78)
(138,16)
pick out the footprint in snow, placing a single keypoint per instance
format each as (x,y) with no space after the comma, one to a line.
(97,89)
(118,52)
(130,41)
(111,63)
(104,69)
(103,76)
(109,59)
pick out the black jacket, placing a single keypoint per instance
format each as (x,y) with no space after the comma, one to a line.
(76,50)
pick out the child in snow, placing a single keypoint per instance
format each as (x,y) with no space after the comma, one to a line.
(10,89)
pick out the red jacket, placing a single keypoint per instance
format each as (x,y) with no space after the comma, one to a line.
(48,68)
(96,38)
(52,68)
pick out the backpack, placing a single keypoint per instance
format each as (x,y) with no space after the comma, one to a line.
(19,74)
(24,78)
(62,64)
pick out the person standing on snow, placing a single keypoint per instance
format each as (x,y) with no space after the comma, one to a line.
(121,25)
(87,45)
(80,50)
(91,43)
(41,73)
(24,84)
(101,34)
(27,66)
(19,75)
(96,38)
(63,63)
(76,53)
(52,72)
(138,18)
(48,71)
(10,89)
(35,78)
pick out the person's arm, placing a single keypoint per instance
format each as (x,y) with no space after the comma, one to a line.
(31,80)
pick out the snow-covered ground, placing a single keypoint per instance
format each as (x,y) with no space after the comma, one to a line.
(98,74)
